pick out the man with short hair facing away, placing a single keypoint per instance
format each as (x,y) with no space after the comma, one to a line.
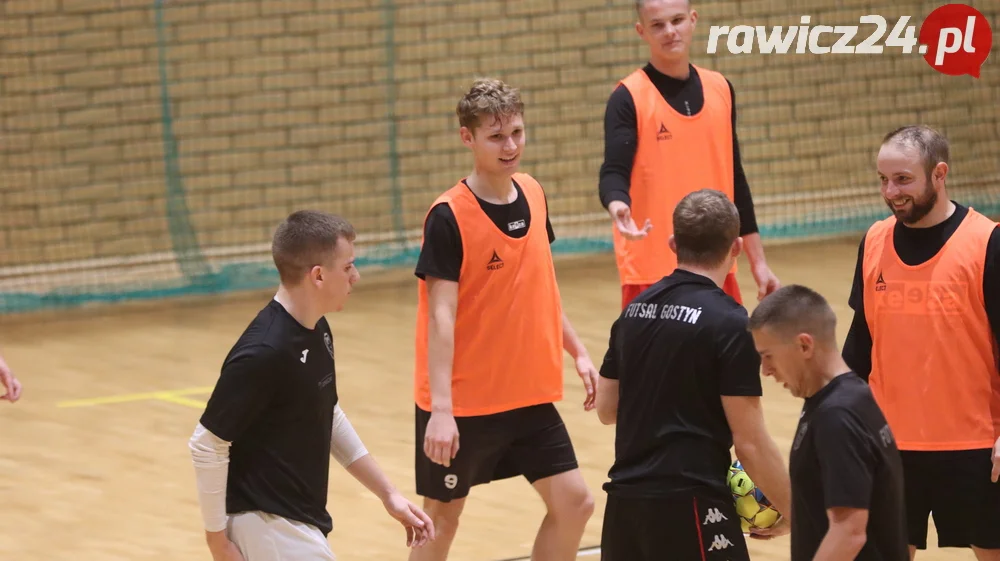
(846,473)
(670,129)
(262,448)
(681,380)
(490,336)
(926,300)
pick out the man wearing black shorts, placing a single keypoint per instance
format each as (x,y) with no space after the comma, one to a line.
(681,379)
(926,301)
(490,339)
(847,476)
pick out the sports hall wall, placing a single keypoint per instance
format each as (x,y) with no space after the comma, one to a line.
(149,148)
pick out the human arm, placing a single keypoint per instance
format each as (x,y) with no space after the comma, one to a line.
(621,141)
(210,456)
(607,389)
(757,451)
(581,359)
(441,440)
(10,382)
(845,536)
(848,461)
(346,447)
(991,292)
(857,352)
(245,387)
(767,281)
(741,391)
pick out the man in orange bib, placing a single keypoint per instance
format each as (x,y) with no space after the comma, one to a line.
(670,130)
(490,337)
(926,299)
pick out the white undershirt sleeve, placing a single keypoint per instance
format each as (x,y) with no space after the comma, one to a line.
(210,455)
(345,444)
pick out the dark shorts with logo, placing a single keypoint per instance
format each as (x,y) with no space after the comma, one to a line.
(530,441)
(691,527)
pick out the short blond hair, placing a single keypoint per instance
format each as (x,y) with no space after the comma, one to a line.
(488,97)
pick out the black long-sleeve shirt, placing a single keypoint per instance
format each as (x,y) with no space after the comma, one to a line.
(915,246)
(621,140)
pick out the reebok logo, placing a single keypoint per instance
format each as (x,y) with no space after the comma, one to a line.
(495,262)
(713,516)
(720,542)
(663,133)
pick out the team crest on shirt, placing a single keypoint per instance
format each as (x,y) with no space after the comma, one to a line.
(329,343)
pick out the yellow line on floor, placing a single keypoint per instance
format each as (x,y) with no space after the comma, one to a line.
(171,395)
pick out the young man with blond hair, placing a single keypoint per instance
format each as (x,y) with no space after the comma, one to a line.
(490,336)
(262,448)
(670,129)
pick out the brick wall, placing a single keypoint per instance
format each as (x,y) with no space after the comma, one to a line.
(282,104)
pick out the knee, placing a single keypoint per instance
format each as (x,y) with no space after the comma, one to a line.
(445,515)
(577,505)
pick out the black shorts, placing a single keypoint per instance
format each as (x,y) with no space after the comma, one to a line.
(686,528)
(955,488)
(531,441)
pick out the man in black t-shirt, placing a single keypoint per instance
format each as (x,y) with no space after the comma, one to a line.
(681,379)
(846,472)
(262,448)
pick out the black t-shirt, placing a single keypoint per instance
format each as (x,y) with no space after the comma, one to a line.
(441,254)
(675,350)
(622,141)
(844,455)
(274,401)
(915,246)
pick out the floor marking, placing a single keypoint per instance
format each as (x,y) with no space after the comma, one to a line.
(171,396)
(585,552)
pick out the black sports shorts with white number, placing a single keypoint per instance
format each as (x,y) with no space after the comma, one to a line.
(955,488)
(683,528)
(530,441)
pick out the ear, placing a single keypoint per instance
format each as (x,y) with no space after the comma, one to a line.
(638,28)
(315,274)
(694,17)
(806,344)
(672,243)
(467,136)
(938,174)
(737,247)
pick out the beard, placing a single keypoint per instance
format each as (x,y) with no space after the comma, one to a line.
(919,206)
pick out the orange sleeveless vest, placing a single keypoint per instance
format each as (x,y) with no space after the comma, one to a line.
(934,362)
(508,325)
(676,155)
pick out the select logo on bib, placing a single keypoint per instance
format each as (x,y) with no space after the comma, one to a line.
(954,39)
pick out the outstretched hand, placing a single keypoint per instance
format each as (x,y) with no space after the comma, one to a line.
(588,373)
(622,215)
(419,526)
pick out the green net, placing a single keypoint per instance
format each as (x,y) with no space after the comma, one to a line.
(152,147)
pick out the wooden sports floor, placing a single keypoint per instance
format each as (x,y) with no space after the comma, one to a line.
(94,464)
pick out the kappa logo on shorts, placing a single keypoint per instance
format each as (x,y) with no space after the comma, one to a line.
(720,541)
(451,481)
(495,262)
(713,516)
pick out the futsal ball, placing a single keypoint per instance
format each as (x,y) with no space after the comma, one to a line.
(753,508)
